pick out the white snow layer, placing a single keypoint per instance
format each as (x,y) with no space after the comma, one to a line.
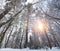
(27,49)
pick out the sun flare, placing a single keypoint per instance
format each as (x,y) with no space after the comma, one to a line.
(40,25)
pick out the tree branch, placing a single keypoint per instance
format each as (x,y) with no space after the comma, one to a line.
(13,17)
(4,13)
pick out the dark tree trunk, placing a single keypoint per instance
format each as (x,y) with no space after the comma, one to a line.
(4,13)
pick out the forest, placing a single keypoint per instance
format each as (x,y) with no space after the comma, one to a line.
(29,23)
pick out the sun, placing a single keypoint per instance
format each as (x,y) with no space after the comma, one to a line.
(40,26)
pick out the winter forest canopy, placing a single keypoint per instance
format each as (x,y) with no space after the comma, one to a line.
(29,23)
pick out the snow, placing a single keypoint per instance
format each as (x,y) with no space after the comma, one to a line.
(27,49)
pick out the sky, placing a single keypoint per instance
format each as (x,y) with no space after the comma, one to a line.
(2,4)
(31,1)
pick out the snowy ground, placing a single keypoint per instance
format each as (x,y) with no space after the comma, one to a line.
(27,49)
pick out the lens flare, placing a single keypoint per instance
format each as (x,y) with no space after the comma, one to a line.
(40,26)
